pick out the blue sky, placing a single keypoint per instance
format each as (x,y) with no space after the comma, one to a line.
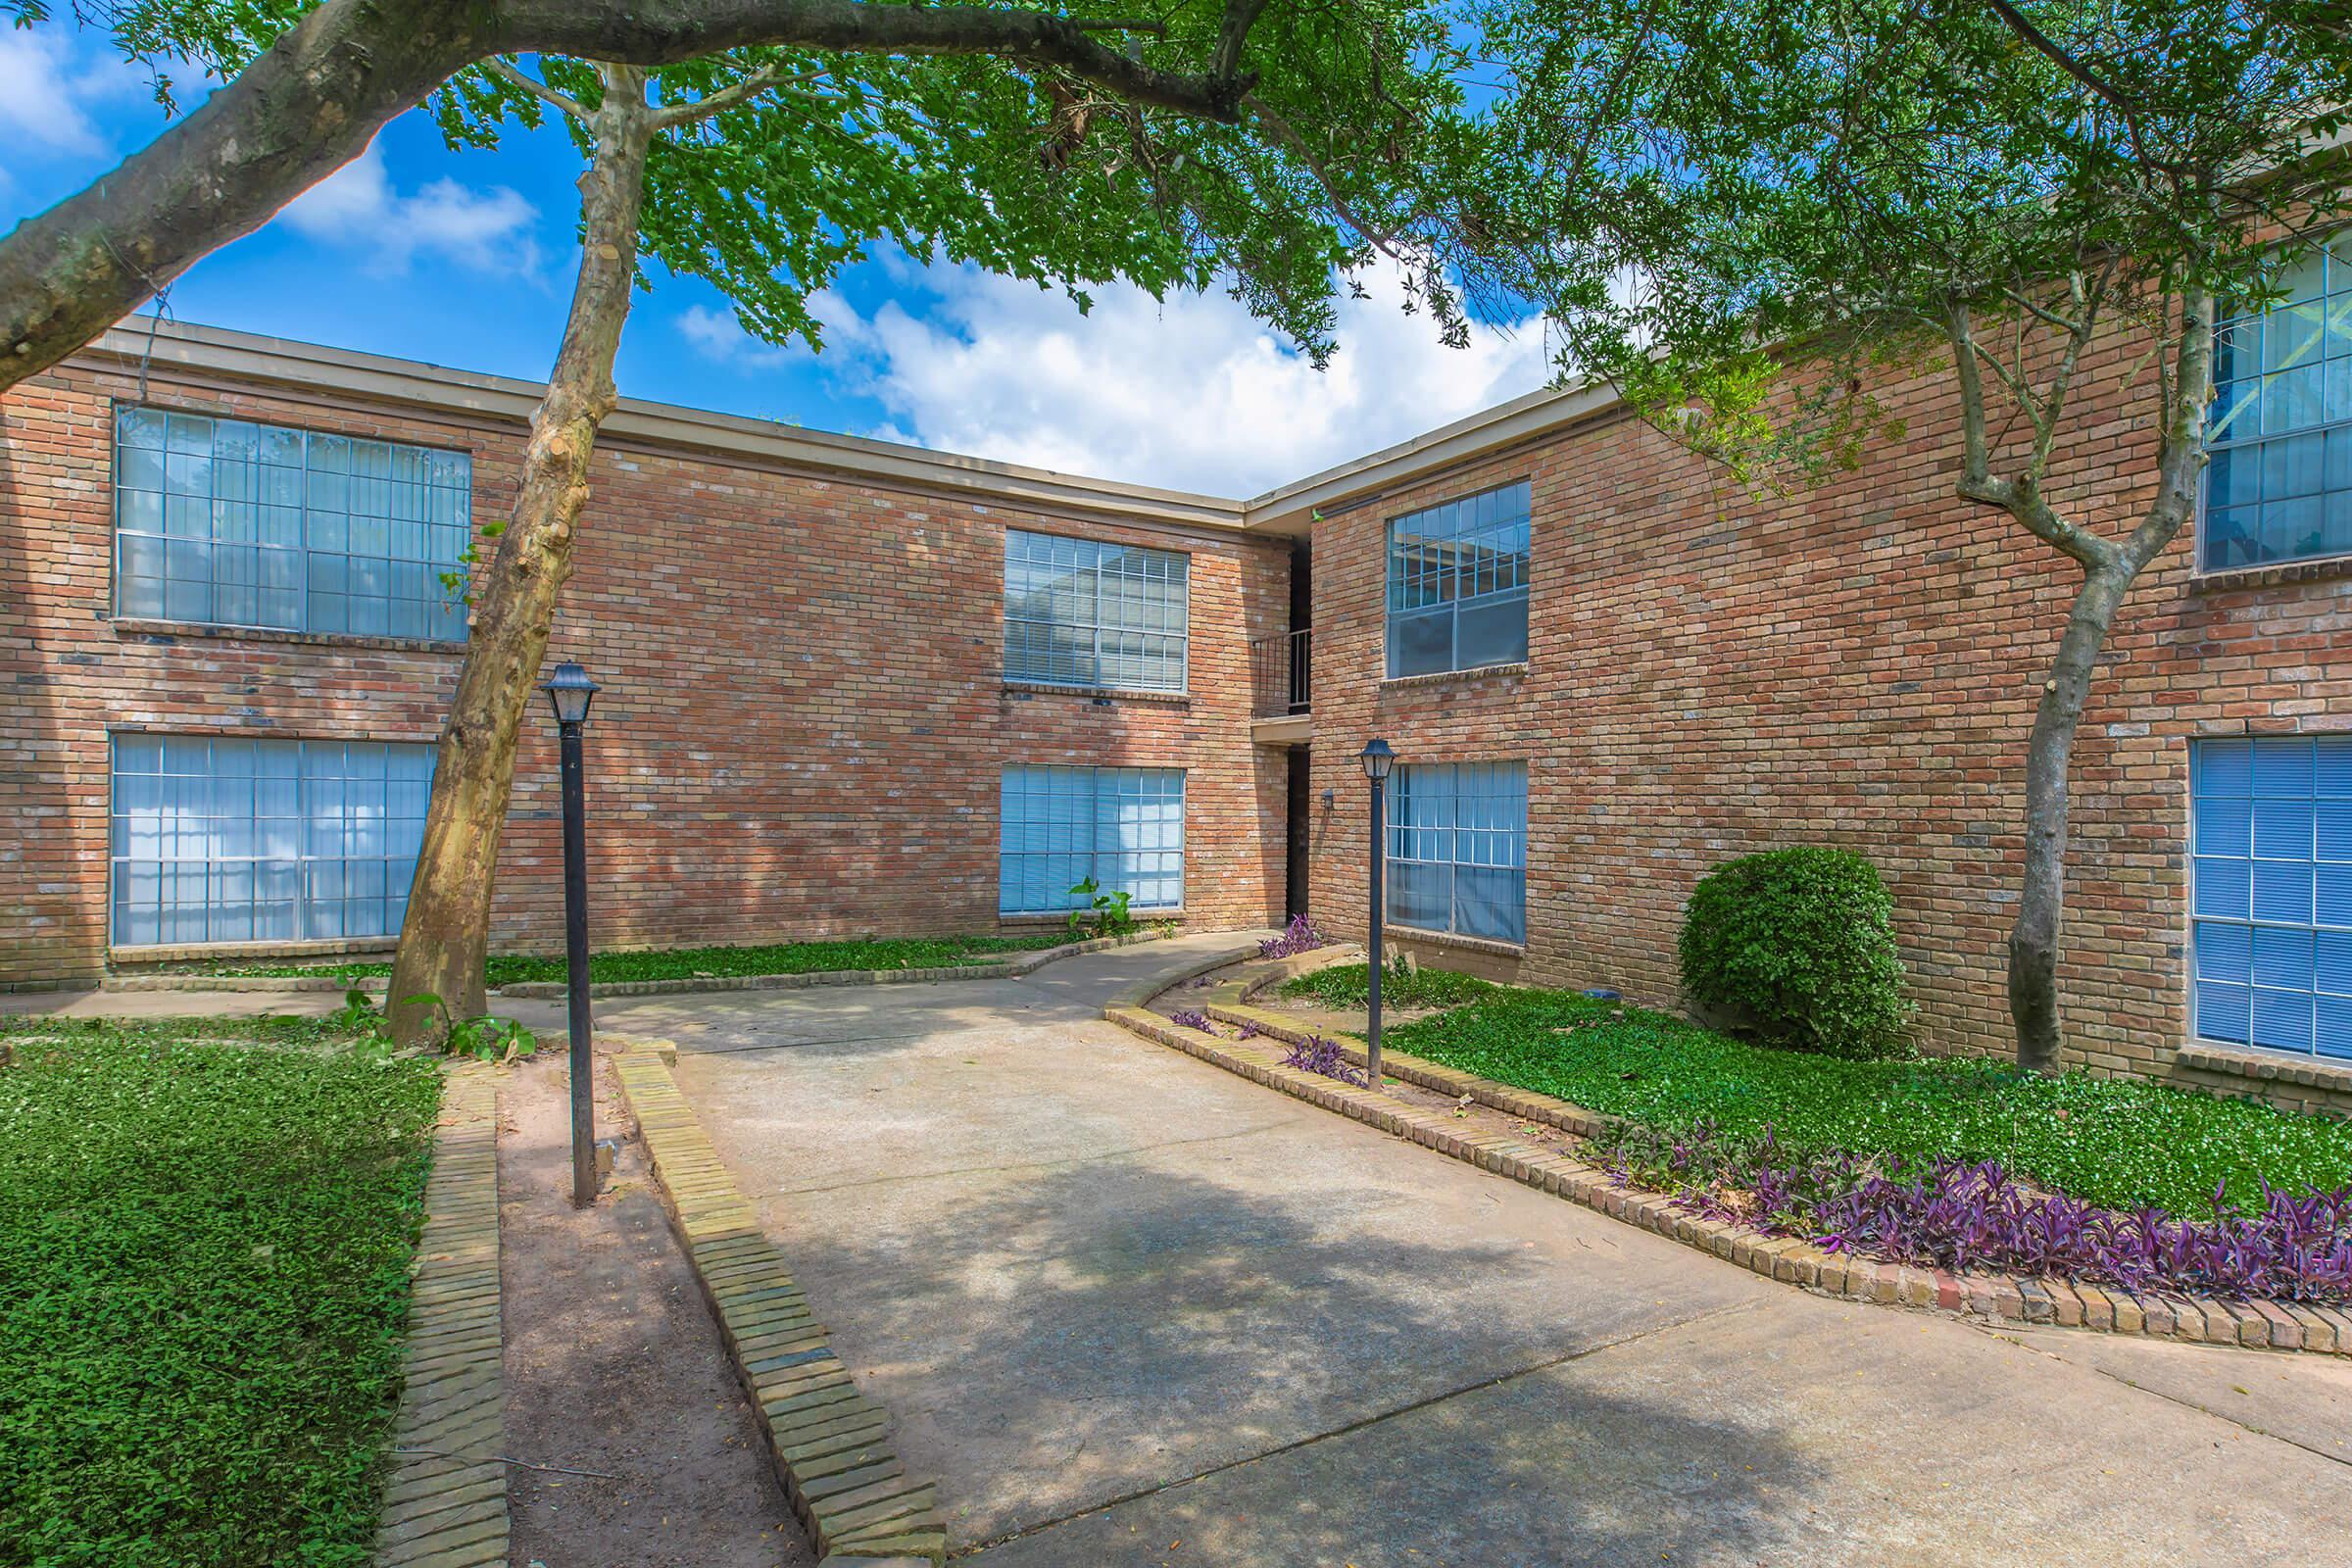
(464,260)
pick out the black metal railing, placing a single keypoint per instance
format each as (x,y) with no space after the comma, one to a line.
(1278,674)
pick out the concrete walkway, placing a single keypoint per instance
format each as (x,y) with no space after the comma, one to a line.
(1129,1308)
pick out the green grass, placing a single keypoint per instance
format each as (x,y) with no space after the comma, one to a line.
(2113,1142)
(1349,985)
(685,963)
(203,1256)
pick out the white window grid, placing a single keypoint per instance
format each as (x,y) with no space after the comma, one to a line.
(1457,849)
(2279,483)
(1081,613)
(1466,558)
(225,839)
(2270,893)
(227,523)
(1121,826)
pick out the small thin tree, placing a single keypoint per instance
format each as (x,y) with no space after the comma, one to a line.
(1796,196)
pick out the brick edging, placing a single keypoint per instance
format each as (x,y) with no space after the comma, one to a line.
(445,1497)
(2257,1325)
(831,1443)
(540,990)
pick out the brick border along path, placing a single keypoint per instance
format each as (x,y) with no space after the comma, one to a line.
(832,1444)
(445,1500)
(1999,1297)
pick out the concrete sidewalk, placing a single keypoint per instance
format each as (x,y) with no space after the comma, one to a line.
(1129,1308)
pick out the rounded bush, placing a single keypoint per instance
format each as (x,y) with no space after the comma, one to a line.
(1796,948)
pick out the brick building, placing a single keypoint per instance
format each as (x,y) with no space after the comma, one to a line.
(854,687)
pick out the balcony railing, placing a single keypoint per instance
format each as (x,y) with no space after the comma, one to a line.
(1278,670)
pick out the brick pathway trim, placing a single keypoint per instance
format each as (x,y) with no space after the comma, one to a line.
(2255,1325)
(1012,968)
(445,1497)
(831,1443)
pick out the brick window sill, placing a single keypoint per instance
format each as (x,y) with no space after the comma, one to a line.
(1116,694)
(1142,917)
(187,952)
(2310,1072)
(173,631)
(2238,579)
(1452,677)
(1447,939)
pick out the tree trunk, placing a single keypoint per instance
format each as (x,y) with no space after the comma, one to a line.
(2041,902)
(2108,575)
(445,937)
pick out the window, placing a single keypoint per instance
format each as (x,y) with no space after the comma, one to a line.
(2280,485)
(1457,584)
(233,840)
(2271,890)
(1122,826)
(228,524)
(1083,613)
(1457,849)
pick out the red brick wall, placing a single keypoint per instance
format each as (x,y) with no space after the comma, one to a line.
(1710,675)
(804,713)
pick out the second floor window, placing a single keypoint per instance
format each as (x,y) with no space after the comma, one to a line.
(2280,485)
(1457,584)
(1080,612)
(225,523)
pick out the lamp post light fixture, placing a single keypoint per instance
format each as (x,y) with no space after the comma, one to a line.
(1378,756)
(569,691)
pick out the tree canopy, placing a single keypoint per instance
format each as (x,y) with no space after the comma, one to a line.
(1729,203)
(1268,145)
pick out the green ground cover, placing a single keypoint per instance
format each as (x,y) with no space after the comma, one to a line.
(204,1273)
(1349,985)
(686,964)
(2118,1142)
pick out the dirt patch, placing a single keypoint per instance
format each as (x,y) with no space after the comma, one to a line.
(614,1366)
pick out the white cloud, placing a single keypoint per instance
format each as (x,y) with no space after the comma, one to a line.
(48,86)
(358,208)
(1194,394)
(716,335)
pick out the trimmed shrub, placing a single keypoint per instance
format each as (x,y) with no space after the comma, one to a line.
(1796,948)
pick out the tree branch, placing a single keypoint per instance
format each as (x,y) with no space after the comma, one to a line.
(310,102)
(1240,17)
(2181,461)
(2043,44)
(720,102)
(1281,129)
(515,75)
(2019,496)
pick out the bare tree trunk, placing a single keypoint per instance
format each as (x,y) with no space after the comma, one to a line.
(444,940)
(2041,902)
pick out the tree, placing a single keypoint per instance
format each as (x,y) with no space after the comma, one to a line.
(1280,145)
(1790,195)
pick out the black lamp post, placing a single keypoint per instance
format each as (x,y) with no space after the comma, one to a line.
(1378,757)
(569,691)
